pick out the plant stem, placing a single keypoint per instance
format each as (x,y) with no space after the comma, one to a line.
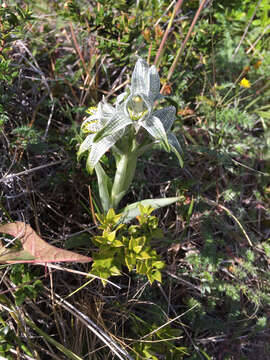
(123,177)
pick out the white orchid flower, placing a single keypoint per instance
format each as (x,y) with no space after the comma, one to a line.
(117,127)
(107,125)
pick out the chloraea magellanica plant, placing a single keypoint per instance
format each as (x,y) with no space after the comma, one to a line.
(129,129)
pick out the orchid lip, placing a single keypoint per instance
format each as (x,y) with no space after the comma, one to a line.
(138,107)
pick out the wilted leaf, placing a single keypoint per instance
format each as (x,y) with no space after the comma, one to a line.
(35,250)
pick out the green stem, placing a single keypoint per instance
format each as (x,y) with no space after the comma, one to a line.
(123,177)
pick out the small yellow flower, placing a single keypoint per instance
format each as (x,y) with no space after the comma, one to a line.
(245,83)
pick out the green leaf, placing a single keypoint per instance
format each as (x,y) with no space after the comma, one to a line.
(68,353)
(109,220)
(264,114)
(115,271)
(154,276)
(130,260)
(109,237)
(144,255)
(145,210)
(104,259)
(111,217)
(132,210)
(141,267)
(104,186)
(158,264)
(136,244)
(157,276)
(117,243)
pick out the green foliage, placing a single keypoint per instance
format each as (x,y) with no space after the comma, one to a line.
(13,19)
(153,338)
(231,130)
(121,245)
(24,279)
(3,116)
(9,340)
(6,337)
(6,72)
(117,31)
(26,136)
(159,344)
(227,281)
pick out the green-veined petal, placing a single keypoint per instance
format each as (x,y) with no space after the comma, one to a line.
(85,145)
(106,108)
(118,122)
(139,79)
(153,82)
(120,99)
(90,125)
(166,116)
(156,129)
(99,148)
(175,147)
(137,111)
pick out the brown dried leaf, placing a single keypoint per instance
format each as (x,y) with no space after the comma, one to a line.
(35,250)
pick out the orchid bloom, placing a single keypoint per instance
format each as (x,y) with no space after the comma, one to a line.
(133,109)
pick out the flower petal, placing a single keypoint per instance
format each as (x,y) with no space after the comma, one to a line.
(90,125)
(154,83)
(98,149)
(140,79)
(105,112)
(166,116)
(118,121)
(120,99)
(176,147)
(131,109)
(156,129)
(106,109)
(85,145)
